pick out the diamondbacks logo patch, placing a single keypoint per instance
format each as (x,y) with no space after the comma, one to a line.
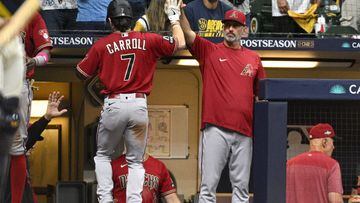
(234,14)
(249,71)
(328,132)
(44,34)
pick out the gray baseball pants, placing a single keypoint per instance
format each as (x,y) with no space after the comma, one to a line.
(124,119)
(25,99)
(216,145)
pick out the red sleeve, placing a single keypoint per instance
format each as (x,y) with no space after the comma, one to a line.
(41,38)
(200,48)
(334,180)
(161,45)
(89,65)
(259,75)
(166,185)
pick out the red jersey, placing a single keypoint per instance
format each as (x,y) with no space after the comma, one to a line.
(157,183)
(36,38)
(311,176)
(126,62)
(230,82)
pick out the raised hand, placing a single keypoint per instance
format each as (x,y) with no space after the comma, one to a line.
(172,10)
(52,110)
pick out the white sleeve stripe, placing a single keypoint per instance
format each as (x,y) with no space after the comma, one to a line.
(82,72)
(46,45)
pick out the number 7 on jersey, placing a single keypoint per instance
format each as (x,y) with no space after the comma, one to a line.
(131,59)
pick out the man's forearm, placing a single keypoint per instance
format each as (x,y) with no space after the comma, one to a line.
(172,198)
(335,197)
(178,35)
(35,130)
(42,58)
(188,32)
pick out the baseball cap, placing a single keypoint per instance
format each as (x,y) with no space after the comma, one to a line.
(322,130)
(119,8)
(235,15)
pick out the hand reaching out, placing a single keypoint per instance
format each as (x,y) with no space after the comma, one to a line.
(172,10)
(52,110)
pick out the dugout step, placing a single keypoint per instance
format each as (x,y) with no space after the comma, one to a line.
(71,192)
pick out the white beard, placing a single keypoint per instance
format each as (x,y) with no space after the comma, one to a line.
(231,38)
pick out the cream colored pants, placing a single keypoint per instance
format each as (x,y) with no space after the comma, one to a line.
(12,68)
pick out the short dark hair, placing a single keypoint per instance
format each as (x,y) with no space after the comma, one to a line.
(121,24)
(119,8)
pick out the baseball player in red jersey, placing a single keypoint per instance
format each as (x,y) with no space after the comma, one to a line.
(125,62)
(314,176)
(37,48)
(157,182)
(37,44)
(230,76)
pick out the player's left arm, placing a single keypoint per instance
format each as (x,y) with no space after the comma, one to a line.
(88,67)
(41,40)
(335,197)
(167,187)
(334,186)
(260,74)
(172,198)
(172,10)
(41,59)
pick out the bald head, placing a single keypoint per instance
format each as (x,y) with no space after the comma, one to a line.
(325,145)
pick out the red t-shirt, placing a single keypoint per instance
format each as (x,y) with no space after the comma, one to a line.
(157,183)
(36,38)
(230,81)
(126,62)
(311,176)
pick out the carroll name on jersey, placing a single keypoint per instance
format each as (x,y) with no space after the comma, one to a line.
(127,44)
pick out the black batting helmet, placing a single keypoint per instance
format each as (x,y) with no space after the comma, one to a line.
(119,8)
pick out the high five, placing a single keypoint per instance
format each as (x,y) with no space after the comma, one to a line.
(125,62)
